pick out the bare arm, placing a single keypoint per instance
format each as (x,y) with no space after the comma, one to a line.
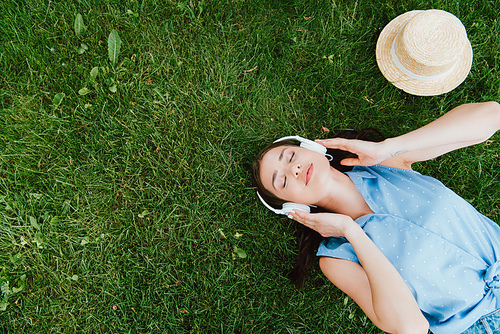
(375,286)
(463,126)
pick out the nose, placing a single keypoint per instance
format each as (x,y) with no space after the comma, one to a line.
(296,169)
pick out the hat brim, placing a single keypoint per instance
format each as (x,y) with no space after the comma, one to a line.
(410,85)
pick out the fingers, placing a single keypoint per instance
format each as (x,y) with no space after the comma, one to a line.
(334,143)
(296,215)
(349,145)
(368,153)
(350,162)
(301,217)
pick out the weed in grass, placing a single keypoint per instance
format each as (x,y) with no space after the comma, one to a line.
(114,45)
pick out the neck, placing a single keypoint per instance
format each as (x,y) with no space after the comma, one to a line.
(342,197)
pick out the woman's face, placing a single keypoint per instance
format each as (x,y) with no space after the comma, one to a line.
(295,174)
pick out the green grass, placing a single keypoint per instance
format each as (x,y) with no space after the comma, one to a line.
(123,212)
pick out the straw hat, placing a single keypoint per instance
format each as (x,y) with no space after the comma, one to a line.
(424,52)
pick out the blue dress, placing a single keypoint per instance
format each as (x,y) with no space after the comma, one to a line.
(445,250)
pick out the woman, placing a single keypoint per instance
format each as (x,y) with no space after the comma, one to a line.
(410,252)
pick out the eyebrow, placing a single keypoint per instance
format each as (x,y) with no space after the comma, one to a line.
(276,172)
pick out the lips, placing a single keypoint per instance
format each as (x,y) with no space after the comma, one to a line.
(308,174)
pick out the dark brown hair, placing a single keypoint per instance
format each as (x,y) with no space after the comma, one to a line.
(309,239)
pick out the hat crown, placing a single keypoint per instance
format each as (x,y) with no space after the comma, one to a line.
(433,38)
(424,52)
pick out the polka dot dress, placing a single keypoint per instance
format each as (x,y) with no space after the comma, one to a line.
(445,250)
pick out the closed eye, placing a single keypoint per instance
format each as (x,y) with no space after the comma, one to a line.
(289,161)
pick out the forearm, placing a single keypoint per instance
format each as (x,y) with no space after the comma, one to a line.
(394,305)
(465,125)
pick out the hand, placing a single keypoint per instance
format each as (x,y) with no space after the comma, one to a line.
(326,224)
(369,153)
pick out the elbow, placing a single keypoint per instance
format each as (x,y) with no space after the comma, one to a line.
(496,107)
(414,325)
(492,114)
(488,116)
(418,327)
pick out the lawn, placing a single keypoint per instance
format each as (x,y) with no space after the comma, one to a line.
(126,132)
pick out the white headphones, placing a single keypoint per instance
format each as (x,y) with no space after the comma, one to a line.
(289,206)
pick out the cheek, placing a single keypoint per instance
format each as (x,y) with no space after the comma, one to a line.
(290,194)
(300,195)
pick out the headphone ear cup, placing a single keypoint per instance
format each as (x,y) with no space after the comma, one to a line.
(286,208)
(305,143)
(289,207)
(313,146)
